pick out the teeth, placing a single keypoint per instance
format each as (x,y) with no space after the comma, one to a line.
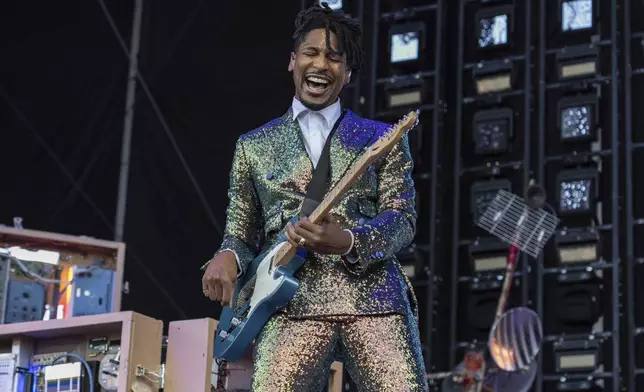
(315,79)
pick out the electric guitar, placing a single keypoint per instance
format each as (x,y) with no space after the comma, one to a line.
(268,284)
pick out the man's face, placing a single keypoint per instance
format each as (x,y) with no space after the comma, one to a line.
(319,75)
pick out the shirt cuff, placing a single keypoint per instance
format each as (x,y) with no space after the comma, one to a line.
(349,257)
(239,267)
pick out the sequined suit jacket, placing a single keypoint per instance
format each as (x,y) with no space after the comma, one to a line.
(270,173)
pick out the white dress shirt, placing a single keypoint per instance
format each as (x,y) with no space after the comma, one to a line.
(316,127)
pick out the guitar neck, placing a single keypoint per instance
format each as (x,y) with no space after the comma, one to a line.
(340,189)
(287,252)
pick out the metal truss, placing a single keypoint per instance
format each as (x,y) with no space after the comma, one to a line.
(533,98)
(465,171)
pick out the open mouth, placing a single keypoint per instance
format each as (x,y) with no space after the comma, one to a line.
(317,84)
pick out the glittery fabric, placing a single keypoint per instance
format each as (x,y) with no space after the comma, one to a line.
(381,353)
(270,174)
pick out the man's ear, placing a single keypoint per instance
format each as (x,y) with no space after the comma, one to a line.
(347,79)
(291,63)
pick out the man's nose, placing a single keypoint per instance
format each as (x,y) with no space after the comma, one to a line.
(321,62)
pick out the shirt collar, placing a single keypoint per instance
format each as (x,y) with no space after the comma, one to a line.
(330,113)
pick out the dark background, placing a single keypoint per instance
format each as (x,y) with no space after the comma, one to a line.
(216,70)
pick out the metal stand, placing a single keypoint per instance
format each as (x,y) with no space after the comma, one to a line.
(516,335)
(130,100)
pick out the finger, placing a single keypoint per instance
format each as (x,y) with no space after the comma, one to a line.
(328,218)
(293,243)
(227,293)
(204,286)
(291,237)
(309,226)
(214,291)
(211,292)
(290,232)
(308,236)
(305,227)
(212,295)
(208,288)
(218,290)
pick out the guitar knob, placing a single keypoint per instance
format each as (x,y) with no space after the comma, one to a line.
(223,334)
(235,321)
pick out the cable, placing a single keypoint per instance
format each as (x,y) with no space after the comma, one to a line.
(32,274)
(89,200)
(110,137)
(98,151)
(162,120)
(52,154)
(82,360)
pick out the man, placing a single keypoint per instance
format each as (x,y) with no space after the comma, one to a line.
(354,299)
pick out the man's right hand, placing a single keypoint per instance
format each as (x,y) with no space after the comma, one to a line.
(219,278)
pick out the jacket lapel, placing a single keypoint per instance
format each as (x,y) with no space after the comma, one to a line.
(292,161)
(348,144)
(290,157)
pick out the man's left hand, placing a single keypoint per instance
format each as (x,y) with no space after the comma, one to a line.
(327,238)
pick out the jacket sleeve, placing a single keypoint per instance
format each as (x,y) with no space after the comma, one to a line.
(243,222)
(395,225)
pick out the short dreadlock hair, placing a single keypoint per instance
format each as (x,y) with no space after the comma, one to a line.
(347,30)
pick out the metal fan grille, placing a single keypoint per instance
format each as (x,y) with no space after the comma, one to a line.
(510,219)
(516,339)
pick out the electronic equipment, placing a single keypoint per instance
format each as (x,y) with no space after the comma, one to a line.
(54,353)
(61,377)
(91,291)
(99,346)
(25,301)
(7,371)
(79,275)
(190,365)
(108,376)
(5,272)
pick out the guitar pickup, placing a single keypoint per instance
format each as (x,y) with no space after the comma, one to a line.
(235,321)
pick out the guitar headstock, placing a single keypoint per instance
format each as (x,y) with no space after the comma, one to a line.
(393,136)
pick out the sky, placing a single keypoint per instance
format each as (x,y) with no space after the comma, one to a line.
(213,71)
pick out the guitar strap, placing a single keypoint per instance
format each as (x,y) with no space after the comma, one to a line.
(317,186)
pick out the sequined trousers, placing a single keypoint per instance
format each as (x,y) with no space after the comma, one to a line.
(382,353)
